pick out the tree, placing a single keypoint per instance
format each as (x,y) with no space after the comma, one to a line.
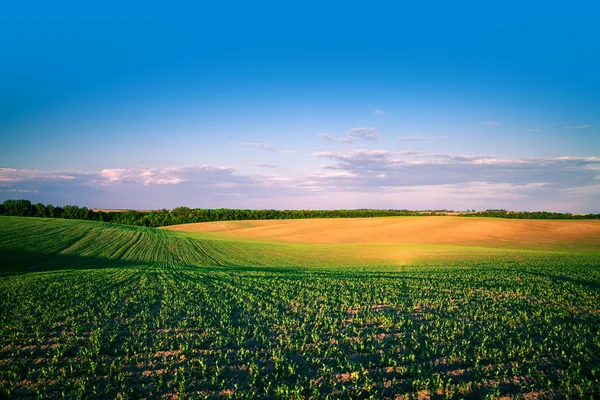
(40,210)
(17,208)
(181,212)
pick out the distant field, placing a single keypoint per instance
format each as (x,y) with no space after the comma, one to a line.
(468,231)
(302,309)
(404,240)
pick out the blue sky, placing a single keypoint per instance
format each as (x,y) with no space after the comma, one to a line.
(302,105)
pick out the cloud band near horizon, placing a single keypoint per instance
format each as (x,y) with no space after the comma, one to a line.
(367,179)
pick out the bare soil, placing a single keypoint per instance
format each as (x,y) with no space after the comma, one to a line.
(488,232)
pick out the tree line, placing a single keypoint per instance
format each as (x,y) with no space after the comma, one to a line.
(530,215)
(185,215)
(180,215)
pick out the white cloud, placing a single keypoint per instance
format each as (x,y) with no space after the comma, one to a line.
(161,176)
(491,123)
(378,112)
(575,158)
(578,127)
(330,138)
(365,133)
(115,174)
(167,176)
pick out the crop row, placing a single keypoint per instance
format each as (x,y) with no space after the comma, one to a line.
(479,330)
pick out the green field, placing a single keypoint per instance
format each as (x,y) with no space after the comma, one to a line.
(94,310)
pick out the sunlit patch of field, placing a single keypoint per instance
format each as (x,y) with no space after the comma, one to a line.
(404,240)
(481,232)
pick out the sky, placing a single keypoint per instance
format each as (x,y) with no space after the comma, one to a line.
(301,105)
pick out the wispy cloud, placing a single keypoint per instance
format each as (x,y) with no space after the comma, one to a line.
(582,159)
(354,134)
(20,175)
(472,191)
(383,160)
(331,138)
(365,133)
(261,146)
(418,138)
(533,130)
(420,157)
(378,112)
(590,189)
(373,169)
(359,159)
(366,178)
(578,127)
(18,191)
(173,176)
(491,123)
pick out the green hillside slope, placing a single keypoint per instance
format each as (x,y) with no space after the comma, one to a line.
(38,244)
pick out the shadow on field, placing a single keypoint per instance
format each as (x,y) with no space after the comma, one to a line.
(14,262)
(592,283)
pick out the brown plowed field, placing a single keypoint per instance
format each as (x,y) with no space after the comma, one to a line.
(488,232)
